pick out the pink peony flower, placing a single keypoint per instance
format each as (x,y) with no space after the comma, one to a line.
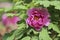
(10,22)
(38,17)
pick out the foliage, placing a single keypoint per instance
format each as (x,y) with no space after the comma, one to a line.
(24,32)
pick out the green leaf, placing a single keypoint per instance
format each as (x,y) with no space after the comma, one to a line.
(43,35)
(11,37)
(28,33)
(7,9)
(20,7)
(18,33)
(56,38)
(26,38)
(45,3)
(35,32)
(48,3)
(21,30)
(11,14)
(54,27)
(1,9)
(17,3)
(34,38)
(6,36)
(56,4)
(18,37)
(58,35)
(23,16)
(22,26)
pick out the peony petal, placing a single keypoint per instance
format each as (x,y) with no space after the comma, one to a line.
(10,22)
(38,17)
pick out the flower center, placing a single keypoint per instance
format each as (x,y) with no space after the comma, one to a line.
(36,17)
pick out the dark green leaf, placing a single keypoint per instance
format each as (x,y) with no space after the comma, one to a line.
(44,35)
